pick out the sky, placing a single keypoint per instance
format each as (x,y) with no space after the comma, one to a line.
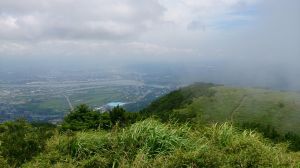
(245,36)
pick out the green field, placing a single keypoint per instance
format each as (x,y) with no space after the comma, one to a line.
(58,103)
(98,97)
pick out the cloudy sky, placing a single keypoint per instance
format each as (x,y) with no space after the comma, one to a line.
(247,33)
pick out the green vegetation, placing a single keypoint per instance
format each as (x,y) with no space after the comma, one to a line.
(271,133)
(20,141)
(164,106)
(276,114)
(84,118)
(202,125)
(97,96)
(57,103)
(150,143)
(52,105)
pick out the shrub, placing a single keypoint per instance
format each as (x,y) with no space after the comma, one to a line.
(271,133)
(150,143)
(117,115)
(152,137)
(81,118)
(20,141)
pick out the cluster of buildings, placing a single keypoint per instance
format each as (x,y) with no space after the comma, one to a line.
(109,106)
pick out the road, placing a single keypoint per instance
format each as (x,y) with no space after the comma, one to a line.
(69,102)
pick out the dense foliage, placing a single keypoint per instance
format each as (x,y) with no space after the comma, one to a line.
(150,143)
(163,107)
(270,132)
(20,141)
(84,118)
(202,103)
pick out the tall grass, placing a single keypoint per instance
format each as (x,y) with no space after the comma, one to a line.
(150,143)
(153,137)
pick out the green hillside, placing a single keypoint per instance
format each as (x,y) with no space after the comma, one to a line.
(211,104)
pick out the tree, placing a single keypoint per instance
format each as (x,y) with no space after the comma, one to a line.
(117,114)
(105,122)
(81,118)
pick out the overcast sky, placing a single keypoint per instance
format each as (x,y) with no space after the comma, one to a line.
(150,28)
(248,33)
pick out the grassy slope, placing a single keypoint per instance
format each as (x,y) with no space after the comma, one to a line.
(150,143)
(238,105)
(279,109)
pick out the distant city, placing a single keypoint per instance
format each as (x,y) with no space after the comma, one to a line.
(50,96)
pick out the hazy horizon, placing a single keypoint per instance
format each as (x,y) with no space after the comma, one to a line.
(240,42)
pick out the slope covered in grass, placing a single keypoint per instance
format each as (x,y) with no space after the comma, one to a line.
(213,104)
(150,143)
(276,114)
(279,109)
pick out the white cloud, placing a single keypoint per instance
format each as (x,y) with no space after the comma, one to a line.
(96,19)
(185,12)
(152,27)
(106,19)
(159,27)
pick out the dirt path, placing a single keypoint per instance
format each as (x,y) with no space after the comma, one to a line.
(238,107)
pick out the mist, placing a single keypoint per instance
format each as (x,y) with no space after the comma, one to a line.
(241,42)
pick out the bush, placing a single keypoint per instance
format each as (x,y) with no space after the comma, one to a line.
(81,118)
(271,133)
(150,143)
(117,115)
(247,148)
(152,138)
(20,141)
(84,118)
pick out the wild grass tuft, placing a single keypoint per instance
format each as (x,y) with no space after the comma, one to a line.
(150,143)
(153,137)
